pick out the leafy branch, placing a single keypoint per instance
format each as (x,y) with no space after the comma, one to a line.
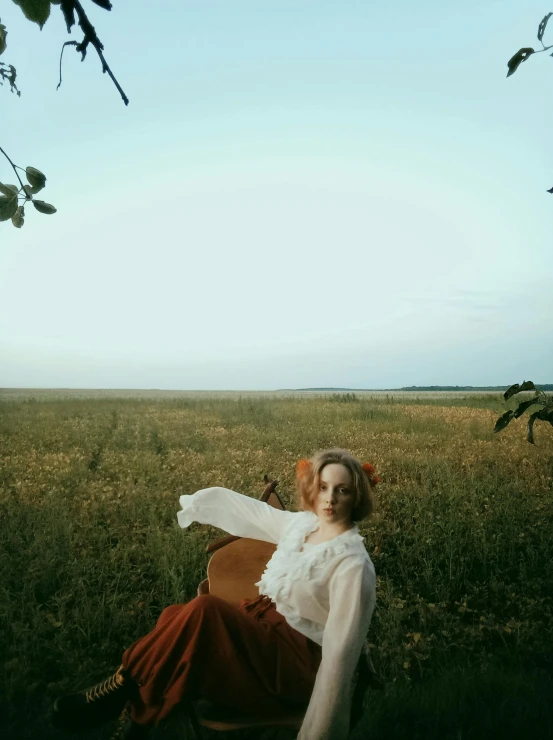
(539,398)
(7,71)
(38,11)
(69,8)
(14,198)
(526,52)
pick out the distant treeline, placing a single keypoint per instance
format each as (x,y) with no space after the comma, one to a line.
(543,386)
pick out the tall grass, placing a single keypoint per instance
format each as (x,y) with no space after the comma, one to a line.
(90,549)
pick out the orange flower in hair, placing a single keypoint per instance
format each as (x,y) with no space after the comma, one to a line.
(369,472)
(303,467)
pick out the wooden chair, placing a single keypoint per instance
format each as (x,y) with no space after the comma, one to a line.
(233,569)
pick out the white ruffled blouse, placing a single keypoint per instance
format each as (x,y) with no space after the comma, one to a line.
(326,591)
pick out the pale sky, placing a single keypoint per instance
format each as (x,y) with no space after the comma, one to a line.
(299,194)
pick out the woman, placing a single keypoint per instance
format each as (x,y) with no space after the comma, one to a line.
(296,645)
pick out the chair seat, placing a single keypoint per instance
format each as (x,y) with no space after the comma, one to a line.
(217,717)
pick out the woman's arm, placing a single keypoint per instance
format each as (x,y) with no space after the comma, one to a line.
(237,514)
(352,599)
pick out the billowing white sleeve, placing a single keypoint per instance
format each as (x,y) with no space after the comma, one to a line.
(352,593)
(234,512)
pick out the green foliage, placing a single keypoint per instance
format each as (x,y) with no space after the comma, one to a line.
(7,71)
(13,198)
(516,60)
(3,35)
(43,207)
(37,11)
(8,203)
(521,56)
(526,52)
(543,24)
(539,398)
(36,179)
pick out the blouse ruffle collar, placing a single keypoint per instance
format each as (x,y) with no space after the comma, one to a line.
(290,563)
(338,544)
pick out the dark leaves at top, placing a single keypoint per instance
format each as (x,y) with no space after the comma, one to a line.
(517,59)
(543,24)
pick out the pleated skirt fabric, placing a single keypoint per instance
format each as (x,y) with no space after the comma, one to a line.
(244,657)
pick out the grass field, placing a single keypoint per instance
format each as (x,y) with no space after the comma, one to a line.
(91,552)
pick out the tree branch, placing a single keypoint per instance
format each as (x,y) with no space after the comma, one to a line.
(14,168)
(90,37)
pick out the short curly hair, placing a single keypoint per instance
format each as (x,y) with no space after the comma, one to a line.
(307,484)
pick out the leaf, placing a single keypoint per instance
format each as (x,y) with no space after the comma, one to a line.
(3,42)
(511,391)
(521,56)
(8,190)
(546,415)
(43,207)
(543,24)
(9,73)
(8,206)
(35,10)
(523,406)
(35,178)
(105,4)
(527,385)
(530,428)
(550,191)
(502,422)
(18,218)
(28,191)
(34,188)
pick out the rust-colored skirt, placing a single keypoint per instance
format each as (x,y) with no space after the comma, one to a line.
(246,657)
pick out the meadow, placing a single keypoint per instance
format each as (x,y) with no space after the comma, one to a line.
(91,552)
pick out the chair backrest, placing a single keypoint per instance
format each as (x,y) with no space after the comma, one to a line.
(237,563)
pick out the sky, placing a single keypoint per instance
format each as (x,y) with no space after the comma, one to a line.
(299,194)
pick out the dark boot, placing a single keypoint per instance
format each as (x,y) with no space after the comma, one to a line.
(89,708)
(127,729)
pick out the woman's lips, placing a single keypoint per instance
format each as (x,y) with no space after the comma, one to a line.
(328,511)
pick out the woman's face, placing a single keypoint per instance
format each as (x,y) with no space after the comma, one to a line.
(334,500)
